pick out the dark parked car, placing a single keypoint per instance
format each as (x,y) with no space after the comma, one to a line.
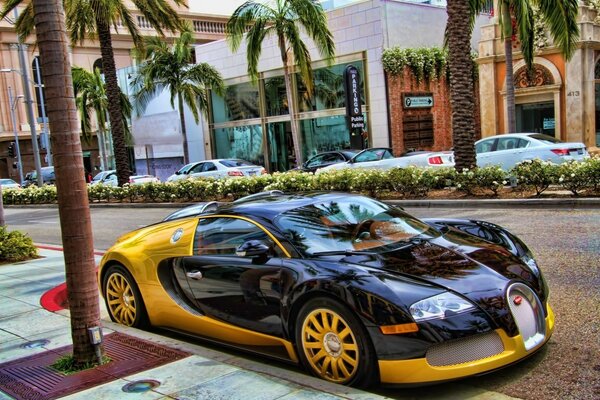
(327,158)
(355,290)
(48,177)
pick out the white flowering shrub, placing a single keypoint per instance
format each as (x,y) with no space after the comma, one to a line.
(491,178)
(371,181)
(443,177)
(537,174)
(339,180)
(291,182)
(412,181)
(574,176)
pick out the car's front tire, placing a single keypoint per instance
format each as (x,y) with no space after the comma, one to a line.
(333,344)
(123,298)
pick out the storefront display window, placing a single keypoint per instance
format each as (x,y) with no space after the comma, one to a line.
(239,102)
(324,134)
(243,142)
(275,96)
(328,90)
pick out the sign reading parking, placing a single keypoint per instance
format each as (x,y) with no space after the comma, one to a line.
(417,101)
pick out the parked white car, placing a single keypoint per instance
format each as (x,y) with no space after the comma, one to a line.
(109,178)
(219,168)
(9,184)
(510,149)
(382,158)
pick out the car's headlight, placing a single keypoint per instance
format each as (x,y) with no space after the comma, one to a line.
(440,306)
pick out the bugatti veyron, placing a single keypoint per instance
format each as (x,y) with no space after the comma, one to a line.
(355,290)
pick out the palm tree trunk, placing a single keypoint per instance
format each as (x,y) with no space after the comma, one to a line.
(73,207)
(291,104)
(186,155)
(113,93)
(507,33)
(461,84)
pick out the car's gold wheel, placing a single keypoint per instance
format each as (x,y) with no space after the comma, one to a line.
(330,345)
(123,299)
(333,343)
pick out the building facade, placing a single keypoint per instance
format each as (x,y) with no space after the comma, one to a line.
(560,98)
(252,121)
(206,27)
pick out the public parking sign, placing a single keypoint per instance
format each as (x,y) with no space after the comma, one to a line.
(417,101)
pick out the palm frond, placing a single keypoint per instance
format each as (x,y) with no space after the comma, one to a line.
(301,54)
(524,17)
(244,17)
(8,6)
(313,20)
(561,19)
(80,20)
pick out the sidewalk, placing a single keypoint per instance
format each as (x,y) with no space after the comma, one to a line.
(27,329)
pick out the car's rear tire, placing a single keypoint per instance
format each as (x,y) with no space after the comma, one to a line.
(333,344)
(123,298)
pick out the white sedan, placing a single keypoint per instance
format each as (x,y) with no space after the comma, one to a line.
(510,149)
(219,168)
(382,158)
(9,184)
(109,178)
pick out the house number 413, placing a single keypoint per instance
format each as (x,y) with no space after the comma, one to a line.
(574,93)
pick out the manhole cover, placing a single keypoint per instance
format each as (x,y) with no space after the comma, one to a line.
(140,386)
(34,344)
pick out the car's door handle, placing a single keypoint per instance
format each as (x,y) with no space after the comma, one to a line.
(194,275)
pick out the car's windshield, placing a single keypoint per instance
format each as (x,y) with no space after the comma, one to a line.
(352,223)
(372,155)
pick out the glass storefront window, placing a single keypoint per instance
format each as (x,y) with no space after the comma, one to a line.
(328,92)
(324,134)
(245,142)
(239,102)
(281,146)
(275,96)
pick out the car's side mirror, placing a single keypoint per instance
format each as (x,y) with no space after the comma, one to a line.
(252,248)
(177,173)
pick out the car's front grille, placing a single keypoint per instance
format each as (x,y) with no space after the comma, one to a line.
(465,350)
(528,314)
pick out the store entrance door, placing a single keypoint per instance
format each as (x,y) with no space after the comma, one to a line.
(281,146)
(536,117)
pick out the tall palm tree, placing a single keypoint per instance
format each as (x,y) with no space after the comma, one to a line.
(283,19)
(90,96)
(170,68)
(92,19)
(462,13)
(559,16)
(73,207)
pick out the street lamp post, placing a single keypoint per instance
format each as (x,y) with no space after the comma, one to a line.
(43,109)
(13,105)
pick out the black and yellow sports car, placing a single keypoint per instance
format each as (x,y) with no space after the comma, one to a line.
(355,290)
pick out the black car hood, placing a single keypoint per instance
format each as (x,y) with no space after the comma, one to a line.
(461,263)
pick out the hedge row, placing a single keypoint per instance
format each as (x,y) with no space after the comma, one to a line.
(411,182)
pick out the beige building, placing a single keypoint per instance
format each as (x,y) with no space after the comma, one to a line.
(206,27)
(560,98)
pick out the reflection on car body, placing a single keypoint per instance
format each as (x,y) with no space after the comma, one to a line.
(353,289)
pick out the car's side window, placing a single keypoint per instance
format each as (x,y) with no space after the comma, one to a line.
(523,143)
(208,166)
(331,157)
(224,235)
(317,160)
(386,154)
(509,143)
(484,147)
(196,169)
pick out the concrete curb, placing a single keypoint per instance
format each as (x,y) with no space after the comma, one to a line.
(584,203)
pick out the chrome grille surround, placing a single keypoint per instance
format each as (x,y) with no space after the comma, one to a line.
(528,314)
(465,350)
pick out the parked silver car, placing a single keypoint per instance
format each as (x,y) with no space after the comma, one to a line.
(382,158)
(109,178)
(219,168)
(510,149)
(9,184)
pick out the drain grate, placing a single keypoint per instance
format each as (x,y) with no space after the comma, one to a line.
(31,378)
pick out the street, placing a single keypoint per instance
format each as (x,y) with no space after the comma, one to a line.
(565,242)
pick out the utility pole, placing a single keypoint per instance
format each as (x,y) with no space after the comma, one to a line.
(29,102)
(13,103)
(45,130)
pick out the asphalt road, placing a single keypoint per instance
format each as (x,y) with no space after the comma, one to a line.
(565,242)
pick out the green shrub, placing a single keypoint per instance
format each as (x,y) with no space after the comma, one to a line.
(15,246)
(371,181)
(574,176)
(593,172)
(491,178)
(536,173)
(412,181)
(291,182)
(443,177)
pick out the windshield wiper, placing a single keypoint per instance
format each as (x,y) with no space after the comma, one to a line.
(344,253)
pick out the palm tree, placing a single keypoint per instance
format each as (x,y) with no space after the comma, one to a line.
(73,206)
(462,13)
(170,68)
(282,18)
(90,93)
(559,16)
(92,19)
